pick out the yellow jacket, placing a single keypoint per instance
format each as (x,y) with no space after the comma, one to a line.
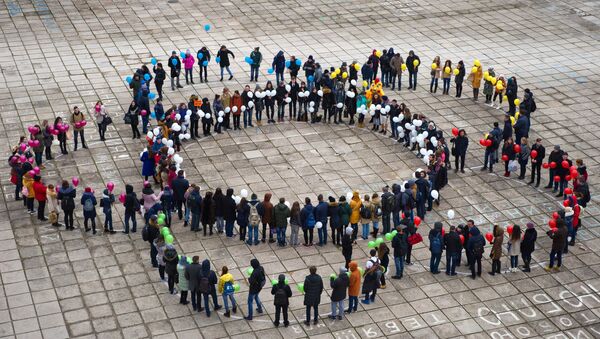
(28,182)
(227,277)
(355,205)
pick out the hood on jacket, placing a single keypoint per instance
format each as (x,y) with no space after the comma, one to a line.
(148,190)
(474,231)
(281,279)
(355,196)
(128,189)
(267,196)
(254,263)
(437,226)
(67,190)
(391,51)
(279,54)
(333,204)
(205,266)
(396,188)
(105,193)
(229,192)
(280,207)
(353,266)
(183,260)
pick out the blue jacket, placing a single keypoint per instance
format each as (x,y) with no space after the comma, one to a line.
(476,239)
(84,197)
(167,199)
(334,214)
(159,111)
(148,165)
(321,212)
(308,209)
(279,62)
(180,185)
(107,200)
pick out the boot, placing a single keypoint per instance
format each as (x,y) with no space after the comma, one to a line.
(227,314)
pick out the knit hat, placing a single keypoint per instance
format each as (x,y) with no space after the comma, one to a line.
(530,225)
(349,230)
(88,189)
(343,270)
(331,199)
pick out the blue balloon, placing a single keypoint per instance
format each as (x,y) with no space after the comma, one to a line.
(298,62)
(174,62)
(147,77)
(207,27)
(311,78)
(153,61)
(182,54)
(153,115)
(217,59)
(128,79)
(152,96)
(200,55)
(287,64)
(249,60)
(205,63)
(270,71)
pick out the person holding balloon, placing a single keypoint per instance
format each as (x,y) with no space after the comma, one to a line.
(412,64)
(159,79)
(436,73)
(182,281)
(446,75)
(474,249)
(88,201)
(374,61)
(226,287)
(400,246)
(475,76)
(514,246)
(78,122)
(459,76)
(489,84)
(453,242)
(523,156)
(28,191)
(508,154)
(39,190)
(562,171)
(36,143)
(282,294)
(131,204)
(461,143)
(496,252)
(537,154)
(255,59)
(223,60)
(499,91)
(53,209)
(48,134)
(188,63)
(66,196)
(108,199)
(203,56)
(256,281)
(175,66)
(62,134)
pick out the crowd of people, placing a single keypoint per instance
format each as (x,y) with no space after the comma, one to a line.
(399,209)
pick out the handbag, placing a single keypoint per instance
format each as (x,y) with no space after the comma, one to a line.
(513,165)
(127,118)
(107,120)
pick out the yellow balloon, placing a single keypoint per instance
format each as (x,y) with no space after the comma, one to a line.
(416,63)
(512,120)
(333,75)
(338,71)
(474,70)
(477,63)
(485,136)
(379,54)
(365,83)
(517,115)
(486,74)
(403,67)
(357,67)
(447,70)
(486,78)
(456,71)
(493,80)
(499,86)
(505,98)
(434,66)
(344,75)
(517,102)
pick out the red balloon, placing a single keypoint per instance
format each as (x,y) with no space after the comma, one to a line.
(552,223)
(489,237)
(556,178)
(517,148)
(482,142)
(568,191)
(545,165)
(509,229)
(488,142)
(568,178)
(554,229)
(555,215)
(553,165)
(574,174)
(533,154)
(443,231)
(504,157)
(122,198)
(573,168)
(417,221)
(454,131)
(565,164)
(566,203)
(462,239)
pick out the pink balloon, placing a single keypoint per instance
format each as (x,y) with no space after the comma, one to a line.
(75,181)
(146,183)
(31,160)
(36,143)
(36,170)
(143,112)
(122,198)
(32,173)
(23,147)
(110,186)
(23,158)
(83,123)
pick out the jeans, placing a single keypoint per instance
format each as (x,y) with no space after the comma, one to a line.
(153,253)
(91,219)
(412,80)
(186,215)
(229,228)
(195,222)
(446,85)
(322,233)
(523,168)
(195,296)
(108,223)
(102,130)
(433,85)
(251,299)
(375,227)
(315,312)
(248,117)
(365,231)
(226,299)
(191,75)
(434,262)
(308,235)
(38,158)
(396,217)
(130,215)
(514,261)
(399,261)
(451,261)
(278,77)
(555,255)
(337,308)
(228,71)
(293,235)
(252,235)
(472,266)
(489,159)
(81,136)
(281,235)
(254,73)
(220,224)
(354,231)
(352,303)
(393,80)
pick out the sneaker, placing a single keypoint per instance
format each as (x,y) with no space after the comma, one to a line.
(276,324)
(331,316)
(365,301)
(218,307)
(547,268)
(248,317)
(227,314)
(234,309)
(339,317)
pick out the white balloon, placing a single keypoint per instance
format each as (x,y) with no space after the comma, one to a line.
(221,113)
(234,109)
(288,88)
(359,110)
(435,194)
(201,115)
(396,120)
(353,82)
(187,136)
(433,139)
(301,94)
(150,135)
(349,196)
(288,100)
(372,107)
(348,93)
(378,107)
(176,127)
(188,112)
(250,104)
(434,143)
(423,151)
(425,134)
(418,123)
(413,139)
(320,93)
(170,143)
(227,109)
(401,135)
(306,94)
(421,143)
(250,94)
(399,129)
(237,199)
(414,133)
(181,136)
(208,116)
(319,224)
(220,119)
(164,140)
(171,151)
(450,214)
(273,92)
(244,193)
(287,203)
(388,108)
(243,108)
(407,125)
(311,109)
(351,94)
(340,105)
(187,119)
(178,116)
(311,104)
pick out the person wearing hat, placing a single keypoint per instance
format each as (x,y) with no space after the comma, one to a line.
(568,217)
(175,66)
(528,246)
(347,243)
(108,199)
(338,285)
(256,58)
(88,201)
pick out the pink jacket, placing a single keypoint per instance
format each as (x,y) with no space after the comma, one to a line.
(188,62)
(150,200)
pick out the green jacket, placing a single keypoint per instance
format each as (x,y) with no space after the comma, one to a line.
(281,212)
(345,212)
(256,58)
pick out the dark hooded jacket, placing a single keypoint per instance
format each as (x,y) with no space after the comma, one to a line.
(130,199)
(281,285)
(280,214)
(528,243)
(452,242)
(400,244)
(192,274)
(206,272)
(208,212)
(397,191)
(339,285)
(313,287)
(279,62)
(333,211)
(257,278)
(321,212)
(171,260)
(476,240)
(67,198)
(180,185)
(229,206)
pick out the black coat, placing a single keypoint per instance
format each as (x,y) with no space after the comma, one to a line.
(170,259)
(528,243)
(180,185)
(460,145)
(541,151)
(346,245)
(400,244)
(255,279)
(192,274)
(288,293)
(452,242)
(175,69)
(229,208)
(313,287)
(224,56)
(339,286)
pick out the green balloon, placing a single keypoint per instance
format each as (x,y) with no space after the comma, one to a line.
(161,215)
(379,241)
(165,231)
(287,281)
(333,275)
(249,271)
(348,273)
(189,260)
(394,232)
(301,287)
(169,239)
(361,270)
(236,287)
(371,244)
(389,236)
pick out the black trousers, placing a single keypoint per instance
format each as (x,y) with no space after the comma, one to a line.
(496,266)
(159,86)
(462,161)
(472,263)
(278,310)
(134,128)
(308,235)
(194,128)
(458,89)
(68,218)
(292,108)
(41,208)
(48,150)
(536,169)
(236,122)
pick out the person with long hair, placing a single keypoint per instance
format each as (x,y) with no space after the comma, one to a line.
(514,248)
(459,76)
(446,75)
(436,72)
(383,254)
(295,223)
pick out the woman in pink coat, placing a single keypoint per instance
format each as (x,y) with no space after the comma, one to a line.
(149,197)
(188,63)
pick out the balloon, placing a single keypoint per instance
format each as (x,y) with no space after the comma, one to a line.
(394,232)
(36,170)
(566,203)
(32,173)
(248,60)
(417,221)
(122,198)
(300,287)
(434,66)
(319,225)
(169,239)
(462,239)
(110,186)
(128,80)
(565,164)
(455,131)
(274,282)
(270,71)
(365,84)
(236,287)
(553,164)
(371,244)
(152,96)
(339,105)
(416,63)
(249,271)
(389,236)
(207,27)
(568,178)
(403,67)
(205,63)
(165,231)
(533,154)
(545,165)
(517,102)
(287,203)
(75,181)
(174,62)
(237,199)
(288,100)
(361,270)
(182,54)
(509,229)
(288,64)
(244,193)
(435,194)
(379,241)
(568,191)
(450,214)
(504,157)
(220,119)
(298,62)
(332,276)
(474,69)
(456,71)
(147,77)
(489,237)
(517,148)
(552,223)
(556,178)
(217,60)
(477,63)
(344,75)
(320,93)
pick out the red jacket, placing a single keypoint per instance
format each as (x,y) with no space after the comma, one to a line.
(40,191)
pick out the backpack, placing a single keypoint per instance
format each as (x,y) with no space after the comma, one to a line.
(146,233)
(88,205)
(280,297)
(204,285)
(376,268)
(310,220)
(254,218)
(68,203)
(365,212)
(478,250)
(228,288)
(436,244)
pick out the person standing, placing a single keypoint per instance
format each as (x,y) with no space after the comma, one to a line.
(295,224)
(150,233)
(279,66)
(453,249)
(313,287)
(446,75)
(180,186)
(366,213)
(53,209)
(256,282)
(514,248)
(39,190)
(459,76)
(175,66)
(47,140)
(243,217)
(308,221)
(256,57)
(88,201)
(436,245)
(230,212)
(66,196)
(474,248)
(371,278)
(436,73)
(528,246)
(227,290)
(321,212)
(476,76)
(387,207)
(512,93)
(108,199)
(182,283)
(383,254)
(333,212)
(355,205)
(282,294)
(206,286)
(523,157)
(536,162)
(223,55)
(400,246)
(556,158)
(508,154)
(170,260)
(338,285)
(77,120)
(159,79)
(188,63)
(412,65)
(192,274)
(280,215)
(496,253)
(194,204)
(461,144)
(559,239)
(354,287)
(203,60)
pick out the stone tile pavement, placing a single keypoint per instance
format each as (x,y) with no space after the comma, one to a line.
(57,54)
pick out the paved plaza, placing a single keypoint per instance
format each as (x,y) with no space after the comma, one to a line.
(58,54)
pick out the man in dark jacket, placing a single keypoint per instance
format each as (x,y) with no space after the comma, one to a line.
(282,294)
(453,249)
(388,205)
(194,202)
(333,211)
(412,69)
(256,282)
(436,247)
(229,208)
(206,286)
(556,158)
(159,79)
(422,193)
(313,287)
(397,209)
(367,72)
(170,260)
(536,162)
(280,214)
(256,57)
(279,66)
(559,239)
(180,186)
(192,275)
(223,56)
(175,66)
(521,128)
(475,246)
(339,285)
(400,246)
(562,172)
(131,206)
(408,200)
(528,246)
(321,216)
